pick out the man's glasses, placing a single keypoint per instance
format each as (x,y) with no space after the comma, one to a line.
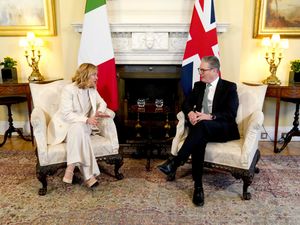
(203,70)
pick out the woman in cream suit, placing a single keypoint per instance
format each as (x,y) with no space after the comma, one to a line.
(80,109)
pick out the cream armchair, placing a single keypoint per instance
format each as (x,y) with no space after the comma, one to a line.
(46,98)
(239,156)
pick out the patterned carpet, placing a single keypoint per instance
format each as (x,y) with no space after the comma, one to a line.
(146,198)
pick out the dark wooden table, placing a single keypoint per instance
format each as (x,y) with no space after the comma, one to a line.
(289,93)
(18,89)
(157,136)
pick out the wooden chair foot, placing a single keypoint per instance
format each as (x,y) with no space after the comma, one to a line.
(43,191)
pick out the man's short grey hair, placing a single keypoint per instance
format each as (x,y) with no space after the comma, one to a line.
(213,61)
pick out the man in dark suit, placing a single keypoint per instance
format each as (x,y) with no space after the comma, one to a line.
(210,111)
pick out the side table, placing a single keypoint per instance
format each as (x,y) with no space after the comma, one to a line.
(18,89)
(289,93)
(157,135)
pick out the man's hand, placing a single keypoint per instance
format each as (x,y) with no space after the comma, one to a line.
(192,117)
(195,117)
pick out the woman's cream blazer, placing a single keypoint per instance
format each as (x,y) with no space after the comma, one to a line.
(70,111)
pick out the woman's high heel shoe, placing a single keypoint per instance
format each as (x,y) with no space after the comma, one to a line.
(68,177)
(92,182)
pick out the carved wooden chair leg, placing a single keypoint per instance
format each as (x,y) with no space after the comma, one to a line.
(42,177)
(256,170)
(118,163)
(247,182)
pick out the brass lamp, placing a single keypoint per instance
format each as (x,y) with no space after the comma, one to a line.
(32,46)
(273,56)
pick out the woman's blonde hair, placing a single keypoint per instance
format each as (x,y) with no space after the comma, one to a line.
(83,74)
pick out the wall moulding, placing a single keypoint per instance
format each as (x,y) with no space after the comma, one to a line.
(150,43)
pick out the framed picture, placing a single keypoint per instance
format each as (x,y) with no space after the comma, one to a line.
(17,17)
(277,16)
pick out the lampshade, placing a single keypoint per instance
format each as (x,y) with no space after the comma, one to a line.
(275,38)
(31,41)
(266,42)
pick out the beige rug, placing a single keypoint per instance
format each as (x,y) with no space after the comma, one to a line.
(146,198)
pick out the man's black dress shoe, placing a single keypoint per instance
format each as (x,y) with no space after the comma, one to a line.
(198,196)
(168,167)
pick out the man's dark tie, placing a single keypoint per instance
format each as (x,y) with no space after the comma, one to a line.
(205,99)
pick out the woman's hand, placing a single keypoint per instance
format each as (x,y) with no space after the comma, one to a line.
(101,115)
(93,121)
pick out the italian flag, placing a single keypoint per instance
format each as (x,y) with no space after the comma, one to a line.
(96,48)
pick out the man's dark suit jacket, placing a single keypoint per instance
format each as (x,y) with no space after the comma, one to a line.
(224,108)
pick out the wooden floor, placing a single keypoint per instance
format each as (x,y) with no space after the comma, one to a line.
(266,148)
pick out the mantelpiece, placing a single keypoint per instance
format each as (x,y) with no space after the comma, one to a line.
(136,43)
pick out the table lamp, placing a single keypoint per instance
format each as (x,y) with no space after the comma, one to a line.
(32,47)
(273,56)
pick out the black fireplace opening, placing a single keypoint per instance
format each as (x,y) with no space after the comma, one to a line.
(151,84)
(165,90)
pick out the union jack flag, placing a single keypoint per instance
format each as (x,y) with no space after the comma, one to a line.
(202,41)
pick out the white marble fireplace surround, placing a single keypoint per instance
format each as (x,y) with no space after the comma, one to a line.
(136,43)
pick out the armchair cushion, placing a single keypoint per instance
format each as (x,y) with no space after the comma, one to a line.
(57,153)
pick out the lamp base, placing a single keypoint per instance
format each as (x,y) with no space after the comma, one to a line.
(272,80)
(35,76)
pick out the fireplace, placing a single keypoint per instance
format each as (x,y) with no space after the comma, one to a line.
(149,83)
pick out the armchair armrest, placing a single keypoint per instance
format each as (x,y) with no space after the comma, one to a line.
(252,135)
(181,133)
(107,129)
(38,122)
